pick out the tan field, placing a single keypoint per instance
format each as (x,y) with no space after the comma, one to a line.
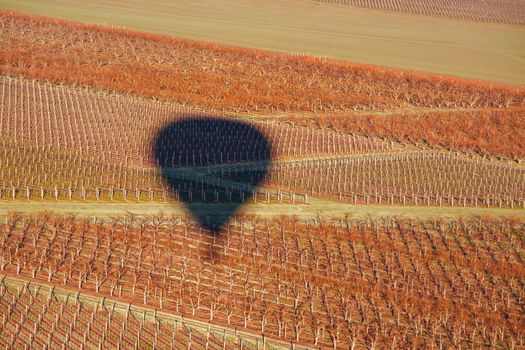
(317,207)
(485,51)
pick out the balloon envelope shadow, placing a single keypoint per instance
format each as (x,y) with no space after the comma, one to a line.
(198,156)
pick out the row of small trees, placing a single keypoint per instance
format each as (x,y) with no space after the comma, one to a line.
(114,128)
(332,284)
(415,178)
(485,132)
(32,172)
(32,319)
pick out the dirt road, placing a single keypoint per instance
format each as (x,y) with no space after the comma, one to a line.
(316,207)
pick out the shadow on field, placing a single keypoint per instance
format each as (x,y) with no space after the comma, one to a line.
(194,155)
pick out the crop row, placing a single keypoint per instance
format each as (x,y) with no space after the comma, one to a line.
(367,283)
(481,131)
(417,178)
(44,172)
(424,178)
(498,11)
(124,129)
(31,319)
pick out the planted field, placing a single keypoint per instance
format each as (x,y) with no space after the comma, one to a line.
(69,143)
(349,283)
(369,190)
(103,164)
(498,11)
(482,131)
(224,78)
(475,50)
(419,178)
(123,129)
(42,316)
(32,172)
(489,132)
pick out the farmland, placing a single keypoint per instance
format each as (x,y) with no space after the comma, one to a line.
(498,11)
(440,45)
(162,192)
(228,79)
(70,320)
(471,267)
(303,159)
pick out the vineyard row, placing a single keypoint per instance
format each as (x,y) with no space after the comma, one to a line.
(416,178)
(138,194)
(114,127)
(39,315)
(497,11)
(457,283)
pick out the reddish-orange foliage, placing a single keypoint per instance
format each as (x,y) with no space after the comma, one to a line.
(222,77)
(41,113)
(374,284)
(490,131)
(34,318)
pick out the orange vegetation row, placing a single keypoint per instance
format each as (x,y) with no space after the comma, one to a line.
(373,284)
(489,131)
(222,77)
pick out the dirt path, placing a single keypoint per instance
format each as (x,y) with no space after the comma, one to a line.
(317,207)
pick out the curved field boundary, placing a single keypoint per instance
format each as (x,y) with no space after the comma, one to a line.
(69,296)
